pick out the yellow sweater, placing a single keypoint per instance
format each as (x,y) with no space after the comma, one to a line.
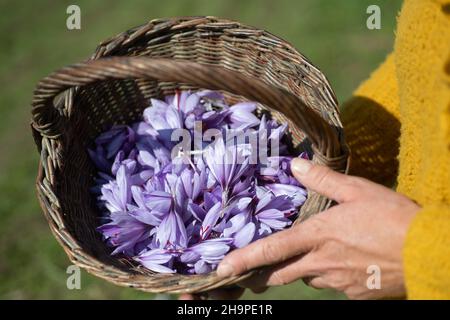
(398,128)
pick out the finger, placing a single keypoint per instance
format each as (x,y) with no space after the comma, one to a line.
(293,270)
(316,283)
(233,293)
(323,180)
(270,250)
(283,273)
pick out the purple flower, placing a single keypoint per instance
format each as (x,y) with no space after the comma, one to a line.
(273,211)
(212,250)
(109,143)
(241,115)
(185,214)
(204,256)
(295,193)
(159,201)
(210,220)
(241,228)
(161,116)
(156,260)
(226,163)
(117,193)
(118,138)
(171,233)
(124,232)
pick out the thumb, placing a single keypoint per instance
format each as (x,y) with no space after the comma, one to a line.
(323,180)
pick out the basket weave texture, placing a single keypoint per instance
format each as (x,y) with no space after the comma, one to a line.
(75,104)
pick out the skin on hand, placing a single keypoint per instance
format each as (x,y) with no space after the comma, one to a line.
(335,248)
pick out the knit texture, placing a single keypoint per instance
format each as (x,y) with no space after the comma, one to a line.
(412,88)
(372,127)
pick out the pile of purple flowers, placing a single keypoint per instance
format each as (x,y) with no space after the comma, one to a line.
(180,207)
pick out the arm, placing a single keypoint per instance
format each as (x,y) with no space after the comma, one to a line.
(426,254)
(372,127)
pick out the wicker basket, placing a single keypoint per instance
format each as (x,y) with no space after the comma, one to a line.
(73,105)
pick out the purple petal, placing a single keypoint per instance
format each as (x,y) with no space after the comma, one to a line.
(124,185)
(147,217)
(155,115)
(114,146)
(240,116)
(235,224)
(145,158)
(158,256)
(211,219)
(278,133)
(210,200)
(155,260)
(212,248)
(274,219)
(172,232)
(120,156)
(201,267)
(189,257)
(244,106)
(192,102)
(157,267)
(159,201)
(297,194)
(244,236)
(198,212)
(213,95)
(173,118)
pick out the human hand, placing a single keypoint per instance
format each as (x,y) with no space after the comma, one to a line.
(334,248)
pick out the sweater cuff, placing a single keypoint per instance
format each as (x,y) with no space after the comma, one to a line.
(426,254)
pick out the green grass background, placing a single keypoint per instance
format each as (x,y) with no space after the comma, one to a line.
(34,41)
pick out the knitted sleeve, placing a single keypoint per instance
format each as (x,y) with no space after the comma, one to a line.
(424,76)
(372,127)
(426,254)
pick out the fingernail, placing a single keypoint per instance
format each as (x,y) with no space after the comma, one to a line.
(224,270)
(300,166)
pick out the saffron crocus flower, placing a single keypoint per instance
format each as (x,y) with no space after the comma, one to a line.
(241,115)
(204,256)
(274,211)
(109,143)
(210,220)
(184,214)
(171,233)
(156,260)
(118,138)
(226,163)
(161,116)
(117,193)
(241,227)
(296,193)
(124,232)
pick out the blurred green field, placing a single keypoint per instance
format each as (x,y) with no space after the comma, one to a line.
(34,41)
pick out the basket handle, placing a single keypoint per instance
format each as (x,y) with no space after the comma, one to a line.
(47,120)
